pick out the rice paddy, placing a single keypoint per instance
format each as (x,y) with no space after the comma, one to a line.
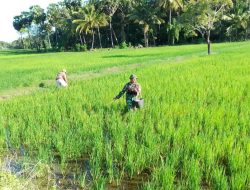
(193,132)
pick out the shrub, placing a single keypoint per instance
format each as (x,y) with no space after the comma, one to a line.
(78,47)
(123,45)
(83,47)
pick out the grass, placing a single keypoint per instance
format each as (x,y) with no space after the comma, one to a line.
(192,134)
(21,69)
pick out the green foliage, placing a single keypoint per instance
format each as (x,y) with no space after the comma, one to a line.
(77,47)
(133,21)
(123,45)
(83,47)
(191,134)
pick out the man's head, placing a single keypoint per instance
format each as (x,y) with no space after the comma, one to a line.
(64,70)
(133,78)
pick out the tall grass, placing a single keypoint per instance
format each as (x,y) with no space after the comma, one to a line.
(20,69)
(192,134)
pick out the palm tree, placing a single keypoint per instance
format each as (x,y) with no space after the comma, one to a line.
(87,23)
(239,20)
(170,6)
(101,21)
(110,7)
(90,21)
(174,31)
(145,15)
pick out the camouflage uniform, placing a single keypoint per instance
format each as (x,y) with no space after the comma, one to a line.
(132,91)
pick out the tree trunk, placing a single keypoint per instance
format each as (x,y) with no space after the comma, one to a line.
(173,40)
(110,28)
(145,39)
(170,16)
(170,22)
(123,34)
(22,40)
(153,39)
(80,38)
(99,35)
(115,36)
(29,39)
(44,45)
(208,43)
(84,40)
(56,39)
(236,34)
(49,41)
(37,47)
(93,39)
(246,33)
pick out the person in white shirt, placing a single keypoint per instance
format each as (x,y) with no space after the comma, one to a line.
(61,79)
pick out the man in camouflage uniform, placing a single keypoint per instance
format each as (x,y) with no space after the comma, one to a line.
(132,89)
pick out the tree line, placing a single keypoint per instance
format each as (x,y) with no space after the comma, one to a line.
(81,25)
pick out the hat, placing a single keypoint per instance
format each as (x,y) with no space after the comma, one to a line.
(133,76)
(64,70)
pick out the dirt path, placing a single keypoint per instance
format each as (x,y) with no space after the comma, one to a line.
(9,94)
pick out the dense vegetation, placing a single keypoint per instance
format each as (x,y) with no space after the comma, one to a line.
(80,25)
(4,45)
(192,134)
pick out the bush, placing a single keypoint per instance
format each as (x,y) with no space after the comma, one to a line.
(200,41)
(123,45)
(60,49)
(78,47)
(83,47)
(42,85)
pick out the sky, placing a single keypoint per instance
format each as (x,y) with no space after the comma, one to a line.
(11,8)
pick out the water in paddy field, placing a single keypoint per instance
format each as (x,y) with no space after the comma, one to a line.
(54,176)
(67,178)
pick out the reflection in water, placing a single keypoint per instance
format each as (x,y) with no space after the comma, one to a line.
(68,177)
(72,175)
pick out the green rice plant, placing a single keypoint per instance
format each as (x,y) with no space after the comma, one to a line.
(193,132)
(219,179)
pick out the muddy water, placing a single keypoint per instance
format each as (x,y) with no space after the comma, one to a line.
(68,178)
(132,184)
(54,176)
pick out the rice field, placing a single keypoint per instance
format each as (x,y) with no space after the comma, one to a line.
(27,68)
(193,133)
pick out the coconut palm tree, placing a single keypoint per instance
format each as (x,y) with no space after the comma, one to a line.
(238,20)
(147,16)
(101,21)
(110,7)
(90,21)
(170,6)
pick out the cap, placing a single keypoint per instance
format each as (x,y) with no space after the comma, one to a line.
(133,76)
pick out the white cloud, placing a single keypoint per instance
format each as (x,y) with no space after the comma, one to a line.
(11,8)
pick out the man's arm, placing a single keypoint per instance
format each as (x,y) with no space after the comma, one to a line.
(65,78)
(122,92)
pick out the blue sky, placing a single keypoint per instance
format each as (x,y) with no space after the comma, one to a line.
(11,8)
